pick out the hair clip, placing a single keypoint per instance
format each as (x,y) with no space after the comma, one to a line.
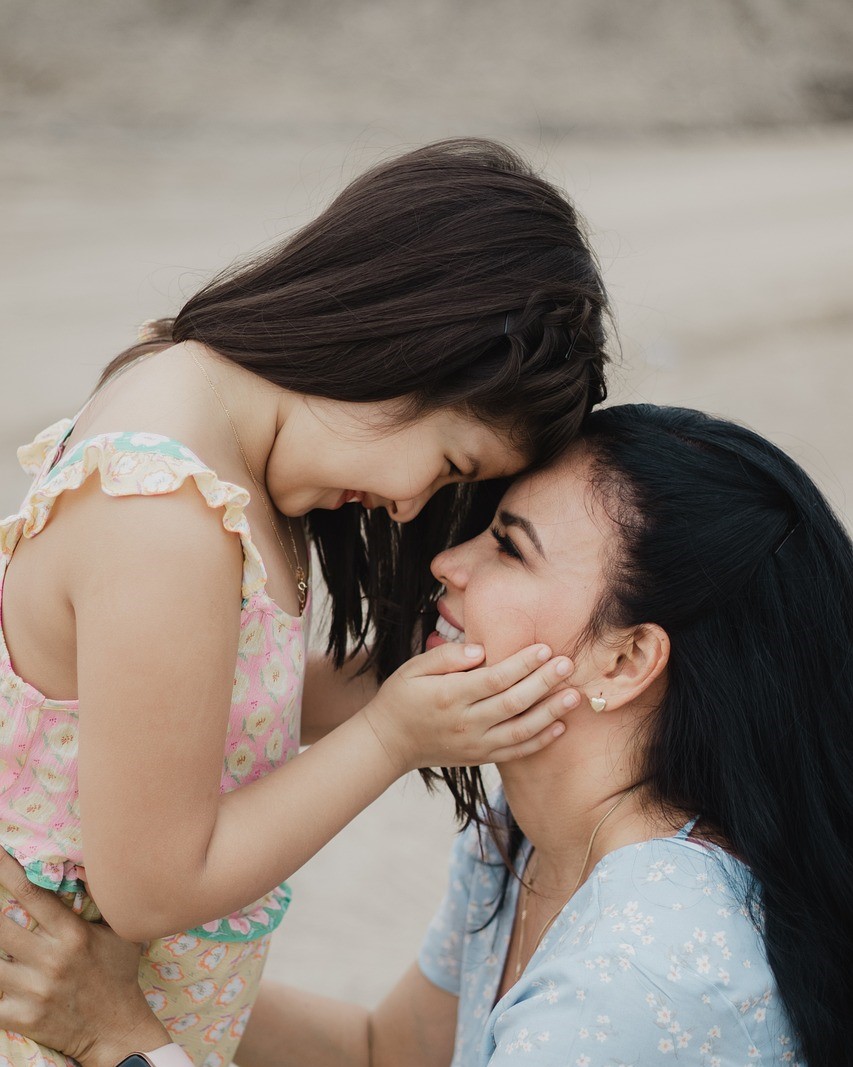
(798,525)
(571,347)
(568,353)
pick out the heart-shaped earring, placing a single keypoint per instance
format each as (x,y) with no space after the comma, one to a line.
(598,704)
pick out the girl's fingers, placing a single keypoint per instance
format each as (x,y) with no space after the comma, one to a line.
(445,659)
(528,748)
(525,693)
(499,677)
(479,685)
(539,726)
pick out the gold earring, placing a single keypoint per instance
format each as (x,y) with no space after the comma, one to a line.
(598,703)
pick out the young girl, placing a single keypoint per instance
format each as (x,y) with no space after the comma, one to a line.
(441,323)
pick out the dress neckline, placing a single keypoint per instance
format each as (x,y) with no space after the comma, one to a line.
(680,837)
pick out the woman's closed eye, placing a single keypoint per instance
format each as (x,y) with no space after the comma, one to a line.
(506,545)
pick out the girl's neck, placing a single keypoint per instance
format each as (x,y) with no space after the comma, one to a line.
(166,393)
(257,409)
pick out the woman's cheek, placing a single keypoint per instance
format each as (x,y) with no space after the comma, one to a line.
(506,630)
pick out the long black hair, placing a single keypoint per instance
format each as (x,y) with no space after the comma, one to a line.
(728,545)
(451,276)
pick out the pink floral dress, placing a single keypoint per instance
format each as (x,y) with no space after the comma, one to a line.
(200,983)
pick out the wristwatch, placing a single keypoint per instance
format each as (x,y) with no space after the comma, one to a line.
(166,1056)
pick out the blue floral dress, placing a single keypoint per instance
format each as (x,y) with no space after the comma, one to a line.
(654,959)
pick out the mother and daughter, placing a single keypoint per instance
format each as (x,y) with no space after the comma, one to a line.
(649,632)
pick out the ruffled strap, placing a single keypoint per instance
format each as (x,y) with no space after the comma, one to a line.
(33,456)
(137,464)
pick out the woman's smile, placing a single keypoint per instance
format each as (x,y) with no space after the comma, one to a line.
(447,629)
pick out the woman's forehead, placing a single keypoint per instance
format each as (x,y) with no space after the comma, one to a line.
(570,527)
(560,485)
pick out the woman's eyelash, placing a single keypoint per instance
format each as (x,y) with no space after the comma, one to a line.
(505,544)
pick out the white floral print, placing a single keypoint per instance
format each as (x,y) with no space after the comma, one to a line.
(652,960)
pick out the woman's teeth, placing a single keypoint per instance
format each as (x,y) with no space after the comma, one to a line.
(448,632)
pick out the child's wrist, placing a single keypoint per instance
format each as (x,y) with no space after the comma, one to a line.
(390,739)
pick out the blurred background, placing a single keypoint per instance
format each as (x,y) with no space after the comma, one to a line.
(710,146)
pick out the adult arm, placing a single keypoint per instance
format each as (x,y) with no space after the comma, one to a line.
(414,1025)
(155,588)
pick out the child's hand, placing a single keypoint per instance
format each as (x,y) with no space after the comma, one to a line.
(436,711)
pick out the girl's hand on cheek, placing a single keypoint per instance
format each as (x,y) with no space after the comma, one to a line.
(442,709)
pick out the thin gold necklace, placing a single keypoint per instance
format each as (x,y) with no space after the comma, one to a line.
(296,570)
(528,889)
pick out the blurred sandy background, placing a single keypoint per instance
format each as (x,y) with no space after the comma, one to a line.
(147,143)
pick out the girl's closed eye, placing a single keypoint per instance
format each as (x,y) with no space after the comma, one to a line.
(506,545)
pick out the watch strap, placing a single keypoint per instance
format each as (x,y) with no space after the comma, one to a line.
(166,1056)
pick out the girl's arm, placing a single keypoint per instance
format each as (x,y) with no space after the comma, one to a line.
(72,985)
(155,588)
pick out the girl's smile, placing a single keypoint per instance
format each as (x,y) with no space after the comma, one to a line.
(350,496)
(363,453)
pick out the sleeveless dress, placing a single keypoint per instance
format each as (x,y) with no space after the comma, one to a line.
(200,983)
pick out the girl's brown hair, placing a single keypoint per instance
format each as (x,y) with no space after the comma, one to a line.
(451,276)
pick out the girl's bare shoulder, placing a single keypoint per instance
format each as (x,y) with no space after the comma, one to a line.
(157,394)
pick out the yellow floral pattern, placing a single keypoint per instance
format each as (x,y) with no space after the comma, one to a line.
(201,983)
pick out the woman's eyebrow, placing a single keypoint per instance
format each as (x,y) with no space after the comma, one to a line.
(509,518)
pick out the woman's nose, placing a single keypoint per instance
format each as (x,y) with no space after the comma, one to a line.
(449,567)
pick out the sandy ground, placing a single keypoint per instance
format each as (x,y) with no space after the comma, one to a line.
(730,260)
(597,66)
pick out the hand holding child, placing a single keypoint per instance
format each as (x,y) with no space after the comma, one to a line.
(70,984)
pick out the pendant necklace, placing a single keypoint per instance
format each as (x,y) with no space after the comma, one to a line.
(527,889)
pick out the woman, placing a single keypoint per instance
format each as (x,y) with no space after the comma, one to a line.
(670,877)
(439,324)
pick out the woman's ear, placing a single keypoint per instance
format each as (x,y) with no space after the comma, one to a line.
(640,658)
